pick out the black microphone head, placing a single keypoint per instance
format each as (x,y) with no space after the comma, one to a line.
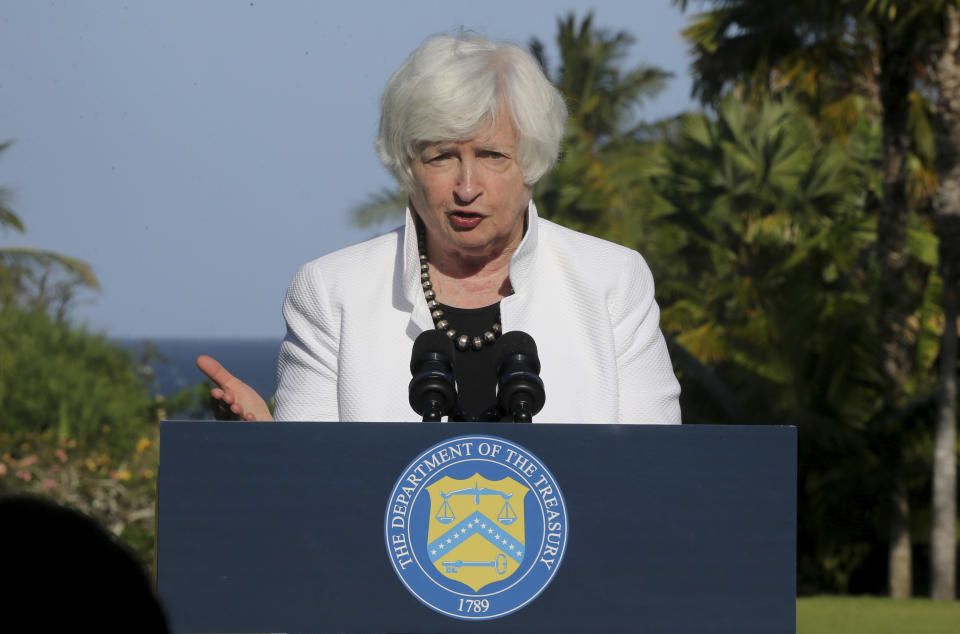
(430,342)
(520,392)
(432,389)
(517,342)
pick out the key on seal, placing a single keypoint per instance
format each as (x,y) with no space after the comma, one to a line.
(499,564)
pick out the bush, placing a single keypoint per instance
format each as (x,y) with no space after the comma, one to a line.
(59,379)
(78,425)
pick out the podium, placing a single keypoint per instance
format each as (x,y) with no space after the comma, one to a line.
(343,527)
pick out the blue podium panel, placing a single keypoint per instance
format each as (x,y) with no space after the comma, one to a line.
(344,527)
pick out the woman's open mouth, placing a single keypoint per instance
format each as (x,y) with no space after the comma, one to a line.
(465,219)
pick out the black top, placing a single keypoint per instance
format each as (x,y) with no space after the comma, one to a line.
(474,370)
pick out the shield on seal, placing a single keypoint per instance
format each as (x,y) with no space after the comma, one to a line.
(476,533)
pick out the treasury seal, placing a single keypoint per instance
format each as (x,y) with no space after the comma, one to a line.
(476,527)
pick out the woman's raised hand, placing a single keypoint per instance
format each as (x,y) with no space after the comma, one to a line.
(232,393)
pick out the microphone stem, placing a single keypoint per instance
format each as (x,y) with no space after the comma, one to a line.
(432,411)
(521,412)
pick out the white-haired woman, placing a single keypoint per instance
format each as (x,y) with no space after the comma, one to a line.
(467,127)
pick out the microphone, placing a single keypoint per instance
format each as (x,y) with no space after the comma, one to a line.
(432,390)
(519,390)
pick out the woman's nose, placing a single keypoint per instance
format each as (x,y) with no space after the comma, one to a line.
(467,187)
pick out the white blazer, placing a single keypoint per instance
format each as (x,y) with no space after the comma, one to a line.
(352,317)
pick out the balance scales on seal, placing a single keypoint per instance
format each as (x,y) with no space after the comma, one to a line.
(506,516)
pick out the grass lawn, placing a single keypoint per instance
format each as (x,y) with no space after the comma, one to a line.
(875,615)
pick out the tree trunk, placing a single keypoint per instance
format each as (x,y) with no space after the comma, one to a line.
(895,304)
(943,539)
(900,575)
(895,292)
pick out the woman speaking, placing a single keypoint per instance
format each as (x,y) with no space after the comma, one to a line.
(467,127)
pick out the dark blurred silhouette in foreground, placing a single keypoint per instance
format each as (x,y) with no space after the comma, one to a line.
(63,572)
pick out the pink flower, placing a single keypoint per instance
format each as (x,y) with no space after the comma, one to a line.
(3,469)
(61,454)
(29,460)
(49,485)
(24,475)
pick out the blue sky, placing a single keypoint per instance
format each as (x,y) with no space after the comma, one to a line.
(195,154)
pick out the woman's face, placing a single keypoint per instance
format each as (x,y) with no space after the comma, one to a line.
(470,194)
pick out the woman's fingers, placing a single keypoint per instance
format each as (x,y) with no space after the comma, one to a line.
(217,373)
(221,409)
(232,395)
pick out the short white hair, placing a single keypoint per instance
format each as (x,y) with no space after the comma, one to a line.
(451,87)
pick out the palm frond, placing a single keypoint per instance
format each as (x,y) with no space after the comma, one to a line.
(380,207)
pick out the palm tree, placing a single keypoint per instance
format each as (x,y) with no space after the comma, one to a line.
(603,147)
(36,277)
(604,98)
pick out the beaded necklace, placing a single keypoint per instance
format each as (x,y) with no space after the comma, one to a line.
(463,341)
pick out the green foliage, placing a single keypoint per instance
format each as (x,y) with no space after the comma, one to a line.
(58,378)
(849,62)
(773,234)
(828,56)
(760,48)
(769,296)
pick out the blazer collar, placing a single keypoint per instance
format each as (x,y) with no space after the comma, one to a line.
(521,267)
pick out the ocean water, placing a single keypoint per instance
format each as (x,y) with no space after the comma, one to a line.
(174,368)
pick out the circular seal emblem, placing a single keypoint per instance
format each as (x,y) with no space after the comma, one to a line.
(476,527)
